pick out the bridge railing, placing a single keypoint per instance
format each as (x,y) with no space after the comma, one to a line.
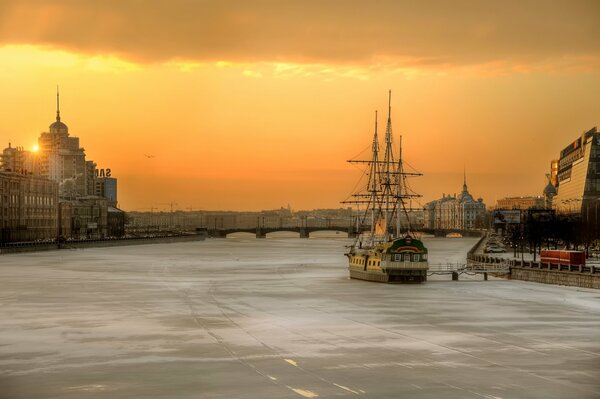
(470,267)
(484,267)
(445,267)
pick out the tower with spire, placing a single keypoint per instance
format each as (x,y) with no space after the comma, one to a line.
(61,158)
(58,127)
(58,163)
(455,212)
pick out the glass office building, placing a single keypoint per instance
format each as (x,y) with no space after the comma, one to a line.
(578,182)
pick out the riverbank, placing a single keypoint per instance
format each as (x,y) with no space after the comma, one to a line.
(99,243)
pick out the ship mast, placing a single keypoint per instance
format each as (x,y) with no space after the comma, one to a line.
(386,190)
(388,169)
(399,178)
(373,175)
(403,193)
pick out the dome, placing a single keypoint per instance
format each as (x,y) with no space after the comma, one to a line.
(59,127)
(550,190)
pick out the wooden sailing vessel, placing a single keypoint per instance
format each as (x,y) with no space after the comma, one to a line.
(380,253)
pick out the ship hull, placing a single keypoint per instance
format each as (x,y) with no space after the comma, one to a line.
(396,277)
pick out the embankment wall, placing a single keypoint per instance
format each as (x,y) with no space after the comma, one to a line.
(49,246)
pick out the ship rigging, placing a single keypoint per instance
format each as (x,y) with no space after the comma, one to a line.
(382,253)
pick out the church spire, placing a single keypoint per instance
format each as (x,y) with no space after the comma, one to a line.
(57,105)
(465,179)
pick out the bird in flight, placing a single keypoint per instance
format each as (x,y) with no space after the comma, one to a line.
(149,156)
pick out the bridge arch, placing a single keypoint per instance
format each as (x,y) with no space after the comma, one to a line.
(241,234)
(327,233)
(283,234)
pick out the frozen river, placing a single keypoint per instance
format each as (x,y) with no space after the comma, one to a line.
(278,318)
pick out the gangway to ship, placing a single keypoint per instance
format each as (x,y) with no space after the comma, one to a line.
(471,267)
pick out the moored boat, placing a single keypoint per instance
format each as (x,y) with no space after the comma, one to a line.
(379,253)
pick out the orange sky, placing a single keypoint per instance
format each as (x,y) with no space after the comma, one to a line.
(257,104)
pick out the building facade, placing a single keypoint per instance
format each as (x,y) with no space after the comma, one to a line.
(115,221)
(62,159)
(28,208)
(77,212)
(84,218)
(107,187)
(578,184)
(18,160)
(523,203)
(554,172)
(460,212)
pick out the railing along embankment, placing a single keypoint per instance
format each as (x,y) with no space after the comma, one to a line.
(584,276)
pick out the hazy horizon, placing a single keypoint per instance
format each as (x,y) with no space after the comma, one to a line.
(256,105)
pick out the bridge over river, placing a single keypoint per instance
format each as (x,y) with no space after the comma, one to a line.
(305,231)
(261,232)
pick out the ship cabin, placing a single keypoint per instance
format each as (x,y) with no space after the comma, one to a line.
(405,261)
(407,249)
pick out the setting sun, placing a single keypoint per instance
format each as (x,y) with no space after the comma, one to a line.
(35,148)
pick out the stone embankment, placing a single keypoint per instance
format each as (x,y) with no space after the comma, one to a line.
(99,243)
(585,276)
(547,273)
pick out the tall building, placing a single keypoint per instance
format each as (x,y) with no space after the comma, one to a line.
(578,184)
(62,159)
(59,161)
(28,207)
(90,178)
(554,172)
(455,212)
(107,187)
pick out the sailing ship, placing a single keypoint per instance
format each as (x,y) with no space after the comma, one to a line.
(379,252)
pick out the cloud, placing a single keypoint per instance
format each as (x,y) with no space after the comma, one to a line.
(434,35)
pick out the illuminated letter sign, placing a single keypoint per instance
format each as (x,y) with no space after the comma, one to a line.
(103,172)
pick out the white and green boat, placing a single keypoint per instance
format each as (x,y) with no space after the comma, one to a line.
(382,253)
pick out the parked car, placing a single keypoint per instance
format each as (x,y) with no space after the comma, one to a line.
(496,250)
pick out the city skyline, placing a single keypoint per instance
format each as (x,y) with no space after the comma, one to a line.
(264,116)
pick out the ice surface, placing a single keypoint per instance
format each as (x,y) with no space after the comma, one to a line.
(278,318)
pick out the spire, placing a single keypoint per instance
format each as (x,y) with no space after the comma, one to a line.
(57,105)
(465,179)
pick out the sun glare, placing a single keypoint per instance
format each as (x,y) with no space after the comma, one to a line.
(35,148)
